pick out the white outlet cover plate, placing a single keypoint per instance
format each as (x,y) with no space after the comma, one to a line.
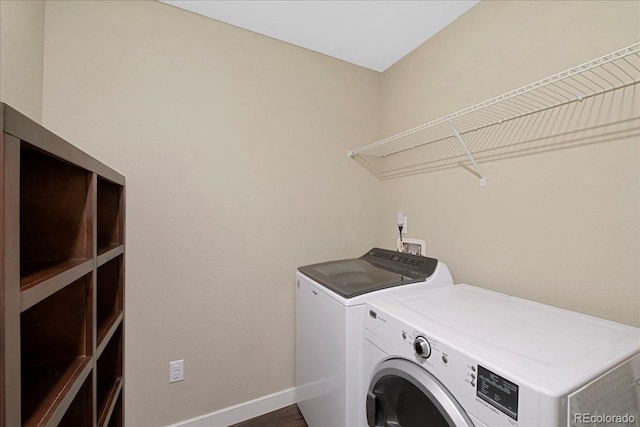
(176,371)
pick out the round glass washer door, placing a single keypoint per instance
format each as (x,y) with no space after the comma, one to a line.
(402,394)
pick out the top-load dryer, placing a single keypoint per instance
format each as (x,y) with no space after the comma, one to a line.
(466,356)
(330,314)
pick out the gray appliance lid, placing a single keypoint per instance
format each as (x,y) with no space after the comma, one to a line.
(375,270)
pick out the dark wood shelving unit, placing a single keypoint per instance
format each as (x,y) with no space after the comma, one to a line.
(62,257)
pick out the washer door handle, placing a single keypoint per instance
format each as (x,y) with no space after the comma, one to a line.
(372,403)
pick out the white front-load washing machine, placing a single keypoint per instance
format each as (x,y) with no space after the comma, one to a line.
(466,356)
(330,314)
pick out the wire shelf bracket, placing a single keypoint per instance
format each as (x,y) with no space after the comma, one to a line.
(483,180)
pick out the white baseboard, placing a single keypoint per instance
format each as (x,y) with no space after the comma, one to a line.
(243,411)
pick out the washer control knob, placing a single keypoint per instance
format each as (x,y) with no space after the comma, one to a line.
(422,347)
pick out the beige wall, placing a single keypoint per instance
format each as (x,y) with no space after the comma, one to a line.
(21,55)
(234,149)
(233,145)
(561,226)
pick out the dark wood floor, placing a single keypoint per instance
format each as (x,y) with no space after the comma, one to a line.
(289,416)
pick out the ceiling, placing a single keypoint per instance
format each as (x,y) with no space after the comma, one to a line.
(372,34)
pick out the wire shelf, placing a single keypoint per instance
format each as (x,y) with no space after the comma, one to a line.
(432,145)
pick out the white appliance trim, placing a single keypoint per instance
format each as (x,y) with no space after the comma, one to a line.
(243,411)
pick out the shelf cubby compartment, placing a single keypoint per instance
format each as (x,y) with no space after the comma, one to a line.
(109,295)
(110,231)
(116,419)
(80,412)
(55,216)
(55,357)
(109,378)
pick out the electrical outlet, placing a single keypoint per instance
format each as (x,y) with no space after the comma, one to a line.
(176,371)
(404,226)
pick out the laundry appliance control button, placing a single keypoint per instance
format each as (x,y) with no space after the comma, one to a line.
(422,347)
